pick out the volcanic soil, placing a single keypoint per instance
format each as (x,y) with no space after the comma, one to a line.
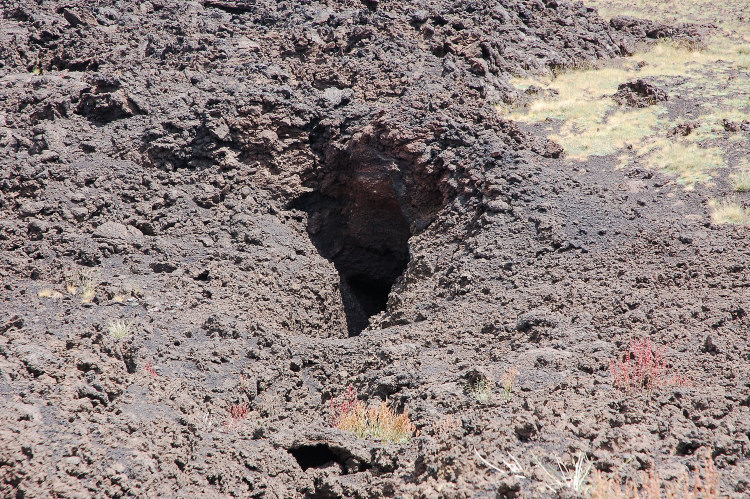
(216,216)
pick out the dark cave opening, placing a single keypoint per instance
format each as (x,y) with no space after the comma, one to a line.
(360,227)
(371,294)
(316,456)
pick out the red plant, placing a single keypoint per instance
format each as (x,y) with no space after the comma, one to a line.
(238,411)
(150,369)
(643,367)
(381,422)
(343,405)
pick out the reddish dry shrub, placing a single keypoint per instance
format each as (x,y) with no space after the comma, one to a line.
(349,414)
(149,368)
(343,405)
(643,367)
(238,411)
(702,484)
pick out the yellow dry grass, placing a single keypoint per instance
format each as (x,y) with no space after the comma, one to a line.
(728,212)
(609,134)
(674,11)
(741,178)
(377,422)
(49,293)
(703,484)
(691,163)
(591,124)
(88,287)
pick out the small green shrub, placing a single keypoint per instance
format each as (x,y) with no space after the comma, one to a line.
(120,329)
(481,390)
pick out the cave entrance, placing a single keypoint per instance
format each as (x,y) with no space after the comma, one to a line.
(356,221)
(315,456)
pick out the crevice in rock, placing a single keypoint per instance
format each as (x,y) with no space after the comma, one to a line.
(324,456)
(367,199)
(365,234)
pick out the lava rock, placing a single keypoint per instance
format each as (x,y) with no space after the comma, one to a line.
(640,93)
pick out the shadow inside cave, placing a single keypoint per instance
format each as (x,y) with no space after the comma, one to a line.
(365,234)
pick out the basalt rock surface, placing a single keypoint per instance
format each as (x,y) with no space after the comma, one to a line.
(277,199)
(640,93)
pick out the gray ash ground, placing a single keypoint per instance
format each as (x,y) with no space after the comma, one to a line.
(285,198)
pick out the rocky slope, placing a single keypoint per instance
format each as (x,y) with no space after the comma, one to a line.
(284,198)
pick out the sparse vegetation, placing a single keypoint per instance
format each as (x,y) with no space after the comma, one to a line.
(643,368)
(279,176)
(480,389)
(120,329)
(82,281)
(509,382)
(691,163)
(237,413)
(590,124)
(703,484)
(575,479)
(88,287)
(49,293)
(511,464)
(728,212)
(741,180)
(350,414)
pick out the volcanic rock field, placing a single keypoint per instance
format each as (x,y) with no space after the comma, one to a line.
(229,227)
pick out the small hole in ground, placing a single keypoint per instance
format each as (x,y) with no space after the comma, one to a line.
(323,456)
(314,456)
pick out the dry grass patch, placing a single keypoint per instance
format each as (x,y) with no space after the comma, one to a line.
(593,125)
(575,478)
(84,282)
(580,95)
(687,160)
(382,422)
(88,287)
(732,112)
(673,11)
(728,212)
(741,179)
(50,293)
(379,422)
(702,484)
(623,128)
(511,464)
(120,329)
